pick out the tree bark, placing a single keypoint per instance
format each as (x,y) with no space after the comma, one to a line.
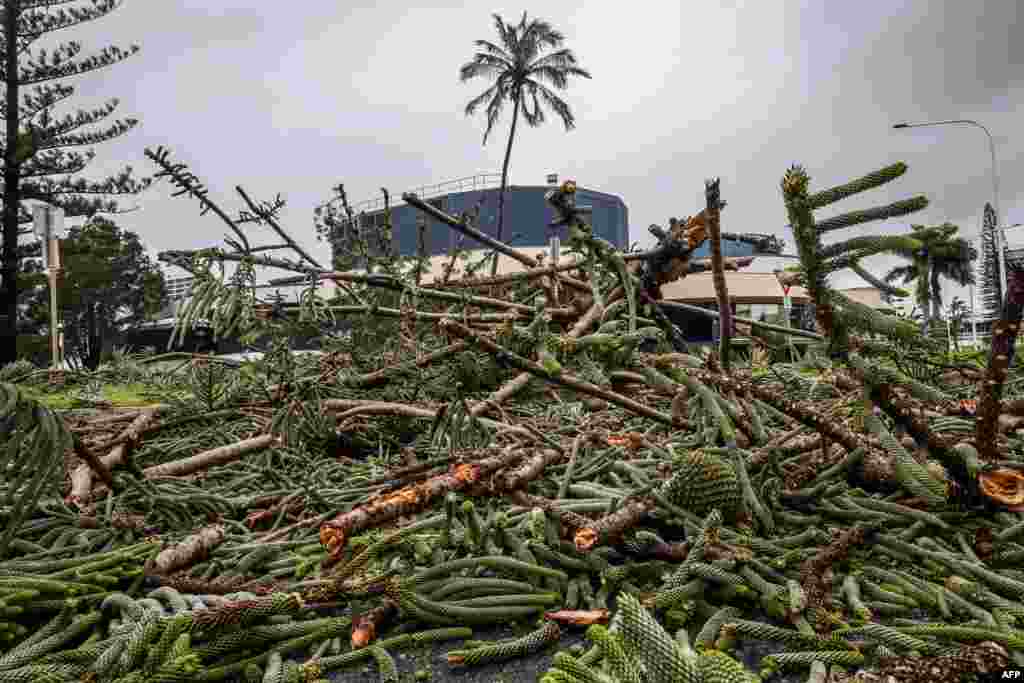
(725,318)
(1000,359)
(504,179)
(211,458)
(92,360)
(924,295)
(12,195)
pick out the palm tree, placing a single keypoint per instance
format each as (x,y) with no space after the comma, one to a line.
(937,255)
(520,74)
(958,312)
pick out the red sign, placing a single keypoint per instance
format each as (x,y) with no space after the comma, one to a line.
(785,290)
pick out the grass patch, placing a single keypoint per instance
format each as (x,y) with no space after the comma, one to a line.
(116,395)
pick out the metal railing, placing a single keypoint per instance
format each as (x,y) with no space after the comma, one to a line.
(480,181)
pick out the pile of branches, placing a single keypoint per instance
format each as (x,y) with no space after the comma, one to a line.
(540,448)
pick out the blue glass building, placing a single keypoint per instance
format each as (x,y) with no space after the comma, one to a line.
(527,215)
(730,248)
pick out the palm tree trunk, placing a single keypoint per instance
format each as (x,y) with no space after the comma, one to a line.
(923,293)
(936,302)
(92,359)
(504,179)
(9,257)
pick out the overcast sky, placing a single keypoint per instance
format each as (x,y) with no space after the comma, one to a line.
(296,97)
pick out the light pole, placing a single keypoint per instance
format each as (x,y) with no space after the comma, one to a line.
(995,184)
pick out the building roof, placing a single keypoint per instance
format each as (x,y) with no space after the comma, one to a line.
(869,296)
(473,183)
(744,288)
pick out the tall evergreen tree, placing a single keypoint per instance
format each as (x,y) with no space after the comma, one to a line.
(835,313)
(991,289)
(39,163)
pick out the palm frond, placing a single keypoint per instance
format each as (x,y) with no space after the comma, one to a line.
(559,105)
(475,103)
(494,50)
(536,35)
(559,59)
(483,65)
(884,287)
(495,106)
(534,116)
(506,32)
(908,273)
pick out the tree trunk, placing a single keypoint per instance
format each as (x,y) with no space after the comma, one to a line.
(1000,360)
(504,179)
(725,317)
(923,293)
(9,257)
(934,293)
(92,358)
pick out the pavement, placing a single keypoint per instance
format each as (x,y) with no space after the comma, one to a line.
(519,670)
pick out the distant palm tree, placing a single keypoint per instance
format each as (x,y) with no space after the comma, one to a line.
(958,313)
(520,73)
(938,255)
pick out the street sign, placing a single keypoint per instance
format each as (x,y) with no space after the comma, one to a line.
(48,220)
(48,224)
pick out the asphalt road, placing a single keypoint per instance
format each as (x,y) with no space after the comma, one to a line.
(519,670)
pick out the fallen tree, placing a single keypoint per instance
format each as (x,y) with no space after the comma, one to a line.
(540,444)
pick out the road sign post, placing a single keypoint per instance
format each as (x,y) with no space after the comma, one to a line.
(48,224)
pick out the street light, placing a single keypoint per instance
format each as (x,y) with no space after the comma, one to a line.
(995,183)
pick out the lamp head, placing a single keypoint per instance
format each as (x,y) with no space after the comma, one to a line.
(901,125)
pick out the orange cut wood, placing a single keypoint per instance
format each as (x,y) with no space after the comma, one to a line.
(578,617)
(1004,486)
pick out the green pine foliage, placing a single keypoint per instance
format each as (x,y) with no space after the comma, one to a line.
(48,158)
(991,288)
(836,315)
(33,442)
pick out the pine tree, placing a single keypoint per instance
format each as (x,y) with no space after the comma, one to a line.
(836,314)
(38,162)
(991,284)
